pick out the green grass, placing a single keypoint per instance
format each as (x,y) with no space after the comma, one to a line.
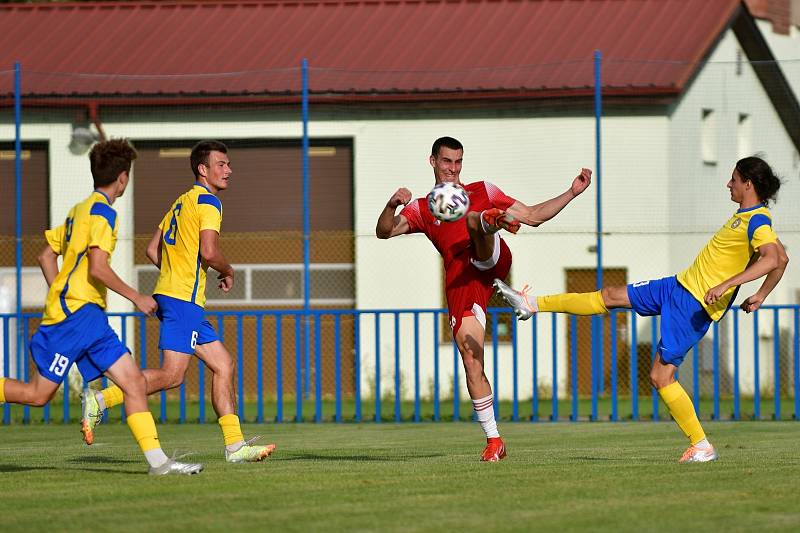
(407,477)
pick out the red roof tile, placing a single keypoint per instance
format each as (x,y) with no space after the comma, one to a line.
(392,48)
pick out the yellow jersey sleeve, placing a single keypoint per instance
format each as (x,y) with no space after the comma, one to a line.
(102,222)
(760,231)
(55,238)
(209,210)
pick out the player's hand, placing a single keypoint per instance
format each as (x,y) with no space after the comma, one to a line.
(225,281)
(581,181)
(146,304)
(752,303)
(715,293)
(401,197)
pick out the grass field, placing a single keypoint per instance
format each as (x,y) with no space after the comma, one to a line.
(407,477)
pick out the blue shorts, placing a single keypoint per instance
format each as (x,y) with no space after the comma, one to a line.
(683,320)
(83,338)
(183,325)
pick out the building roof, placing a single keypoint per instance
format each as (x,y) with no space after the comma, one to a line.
(373,49)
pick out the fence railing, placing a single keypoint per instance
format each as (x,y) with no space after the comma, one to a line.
(356,365)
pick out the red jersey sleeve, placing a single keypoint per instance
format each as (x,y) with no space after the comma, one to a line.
(498,198)
(414,216)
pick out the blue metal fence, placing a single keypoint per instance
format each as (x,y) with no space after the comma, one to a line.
(354,383)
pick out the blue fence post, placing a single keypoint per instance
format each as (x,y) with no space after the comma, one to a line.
(515,372)
(715,363)
(299,320)
(534,370)
(796,363)
(201,391)
(337,365)
(736,411)
(456,391)
(416,368)
(634,368)
(259,369)
(377,368)
(357,363)
(396,366)
(240,362)
(317,367)
(495,370)
(436,407)
(7,370)
(554,333)
(613,363)
(756,370)
(26,417)
(279,368)
(776,358)
(653,349)
(573,371)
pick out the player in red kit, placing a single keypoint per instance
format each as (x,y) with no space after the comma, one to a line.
(474,254)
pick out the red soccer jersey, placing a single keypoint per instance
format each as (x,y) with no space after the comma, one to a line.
(451,238)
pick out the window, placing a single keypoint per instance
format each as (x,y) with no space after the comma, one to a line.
(708,137)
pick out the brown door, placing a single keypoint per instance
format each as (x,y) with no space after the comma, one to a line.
(584,280)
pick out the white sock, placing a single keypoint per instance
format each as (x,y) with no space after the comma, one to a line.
(487,229)
(235,446)
(484,409)
(156,457)
(101,402)
(703,444)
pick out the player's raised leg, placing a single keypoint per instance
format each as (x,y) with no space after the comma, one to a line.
(662,377)
(127,375)
(35,393)
(469,339)
(223,396)
(583,303)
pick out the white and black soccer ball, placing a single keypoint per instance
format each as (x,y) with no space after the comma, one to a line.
(448,202)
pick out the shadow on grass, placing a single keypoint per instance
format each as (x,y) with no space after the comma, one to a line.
(100,459)
(356,458)
(16,468)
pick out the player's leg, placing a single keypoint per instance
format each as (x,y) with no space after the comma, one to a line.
(37,392)
(223,397)
(483,235)
(584,303)
(662,377)
(131,381)
(469,339)
(683,323)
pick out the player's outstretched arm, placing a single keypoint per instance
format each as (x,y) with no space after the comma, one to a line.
(212,256)
(535,215)
(154,249)
(48,262)
(753,302)
(100,270)
(390,225)
(772,260)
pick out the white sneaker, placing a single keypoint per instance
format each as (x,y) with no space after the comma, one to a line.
(693,454)
(175,467)
(516,299)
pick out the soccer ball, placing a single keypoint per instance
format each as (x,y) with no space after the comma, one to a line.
(448,202)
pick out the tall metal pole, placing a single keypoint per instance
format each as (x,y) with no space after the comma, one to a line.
(306,232)
(18,204)
(597,322)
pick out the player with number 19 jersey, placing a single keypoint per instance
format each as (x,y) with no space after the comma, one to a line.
(181,288)
(75,327)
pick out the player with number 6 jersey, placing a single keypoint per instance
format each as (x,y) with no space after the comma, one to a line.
(185,244)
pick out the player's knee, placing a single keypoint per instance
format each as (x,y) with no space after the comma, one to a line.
(38,398)
(659,380)
(614,296)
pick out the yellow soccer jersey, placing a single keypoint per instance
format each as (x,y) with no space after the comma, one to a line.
(182,275)
(91,223)
(727,254)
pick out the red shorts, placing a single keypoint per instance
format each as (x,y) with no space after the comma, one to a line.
(469,288)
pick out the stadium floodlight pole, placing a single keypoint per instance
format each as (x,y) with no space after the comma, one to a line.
(306,230)
(597,324)
(18,205)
